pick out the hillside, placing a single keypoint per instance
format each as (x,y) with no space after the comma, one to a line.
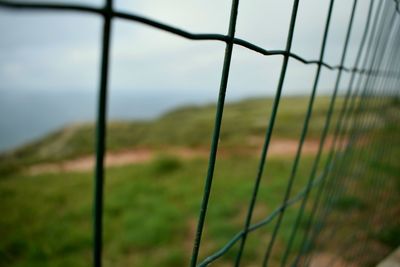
(244,125)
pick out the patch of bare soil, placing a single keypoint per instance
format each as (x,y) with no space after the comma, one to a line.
(279,147)
(327,259)
(119,158)
(288,147)
(190,235)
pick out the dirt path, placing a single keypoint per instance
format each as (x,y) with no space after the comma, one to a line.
(281,147)
(327,259)
(119,158)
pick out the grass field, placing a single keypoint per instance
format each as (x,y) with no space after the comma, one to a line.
(151,207)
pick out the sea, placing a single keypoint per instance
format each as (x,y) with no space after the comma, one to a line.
(28,115)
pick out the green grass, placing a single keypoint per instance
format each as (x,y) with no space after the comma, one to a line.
(151,208)
(150,212)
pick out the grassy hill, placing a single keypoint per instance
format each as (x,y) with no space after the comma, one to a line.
(244,126)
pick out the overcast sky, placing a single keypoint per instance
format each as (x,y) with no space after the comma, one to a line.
(60,51)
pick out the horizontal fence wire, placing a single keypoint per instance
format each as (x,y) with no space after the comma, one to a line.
(173,30)
(375,67)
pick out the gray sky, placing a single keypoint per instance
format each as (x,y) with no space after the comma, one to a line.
(60,51)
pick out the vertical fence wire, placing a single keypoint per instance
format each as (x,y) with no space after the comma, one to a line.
(351,111)
(375,152)
(327,123)
(369,121)
(101,138)
(356,126)
(356,111)
(347,112)
(304,132)
(269,131)
(366,122)
(332,153)
(217,128)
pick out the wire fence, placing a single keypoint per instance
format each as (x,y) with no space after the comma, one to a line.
(373,88)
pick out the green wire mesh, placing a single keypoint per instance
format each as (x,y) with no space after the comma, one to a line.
(373,84)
